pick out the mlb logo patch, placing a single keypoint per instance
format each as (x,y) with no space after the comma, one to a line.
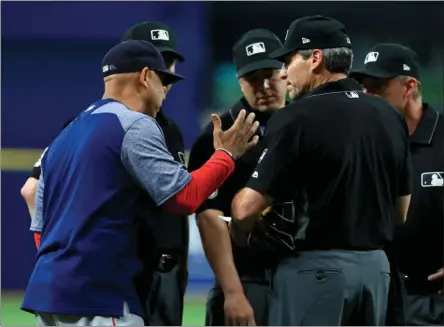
(371,57)
(160,35)
(432,179)
(255,48)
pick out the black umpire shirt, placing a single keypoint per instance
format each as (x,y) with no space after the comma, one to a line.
(420,241)
(248,261)
(349,153)
(169,232)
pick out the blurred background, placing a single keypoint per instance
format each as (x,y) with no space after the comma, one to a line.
(51,56)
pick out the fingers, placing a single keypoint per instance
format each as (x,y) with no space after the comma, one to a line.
(249,121)
(439,274)
(252,130)
(251,322)
(240,120)
(252,143)
(217,123)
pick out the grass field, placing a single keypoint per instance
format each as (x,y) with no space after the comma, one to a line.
(11,315)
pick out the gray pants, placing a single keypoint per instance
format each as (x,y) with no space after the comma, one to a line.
(259,295)
(165,301)
(128,319)
(425,310)
(331,288)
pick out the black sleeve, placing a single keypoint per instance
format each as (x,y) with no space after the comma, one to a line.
(201,151)
(37,169)
(275,173)
(406,172)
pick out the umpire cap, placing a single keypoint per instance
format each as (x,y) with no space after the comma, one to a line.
(251,52)
(133,56)
(388,60)
(313,32)
(158,34)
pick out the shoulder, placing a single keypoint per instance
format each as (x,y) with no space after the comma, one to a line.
(128,118)
(291,116)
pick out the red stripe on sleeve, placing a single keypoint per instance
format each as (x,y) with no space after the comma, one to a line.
(204,181)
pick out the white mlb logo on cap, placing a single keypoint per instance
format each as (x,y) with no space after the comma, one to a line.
(255,48)
(160,35)
(371,57)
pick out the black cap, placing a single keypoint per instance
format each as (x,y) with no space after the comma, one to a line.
(158,34)
(134,55)
(388,60)
(251,52)
(313,32)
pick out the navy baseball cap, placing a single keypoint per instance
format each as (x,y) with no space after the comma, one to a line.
(313,32)
(251,52)
(158,34)
(389,60)
(134,55)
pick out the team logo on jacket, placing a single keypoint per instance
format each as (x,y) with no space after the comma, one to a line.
(432,179)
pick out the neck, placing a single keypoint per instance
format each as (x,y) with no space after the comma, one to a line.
(413,114)
(326,78)
(127,97)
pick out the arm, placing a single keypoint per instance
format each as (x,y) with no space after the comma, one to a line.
(37,218)
(30,187)
(276,164)
(405,180)
(216,241)
(213,230)
(28,193)
(146,158)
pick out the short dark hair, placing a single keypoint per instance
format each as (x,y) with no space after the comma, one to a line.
(337,60)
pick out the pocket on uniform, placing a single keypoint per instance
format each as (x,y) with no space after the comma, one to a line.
(320,274)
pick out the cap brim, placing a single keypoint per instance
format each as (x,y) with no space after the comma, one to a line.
(360,74)
(167,77)
(176,54)
(281,53)
(261,64)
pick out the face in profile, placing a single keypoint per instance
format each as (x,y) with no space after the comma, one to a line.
(298,74)
(264,89)
(398,90)
(153,90)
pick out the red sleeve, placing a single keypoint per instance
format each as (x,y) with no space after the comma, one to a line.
(37,240)
(204,182)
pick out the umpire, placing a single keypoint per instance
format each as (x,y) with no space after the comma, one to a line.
(242,278)
(164,279)
(392,71)
(348,153)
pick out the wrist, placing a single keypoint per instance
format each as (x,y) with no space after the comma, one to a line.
(227,152)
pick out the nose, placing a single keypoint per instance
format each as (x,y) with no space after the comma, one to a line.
(266,83)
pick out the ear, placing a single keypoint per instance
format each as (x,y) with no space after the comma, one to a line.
(412,86)
(316,60)
(241,82)
(144,76)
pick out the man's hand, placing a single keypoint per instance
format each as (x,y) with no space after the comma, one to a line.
(238,312)
(436,276)
(236,140)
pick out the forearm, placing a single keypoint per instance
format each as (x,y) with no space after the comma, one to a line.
(204,181)
(217,246)
(402,208)
(28,192)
